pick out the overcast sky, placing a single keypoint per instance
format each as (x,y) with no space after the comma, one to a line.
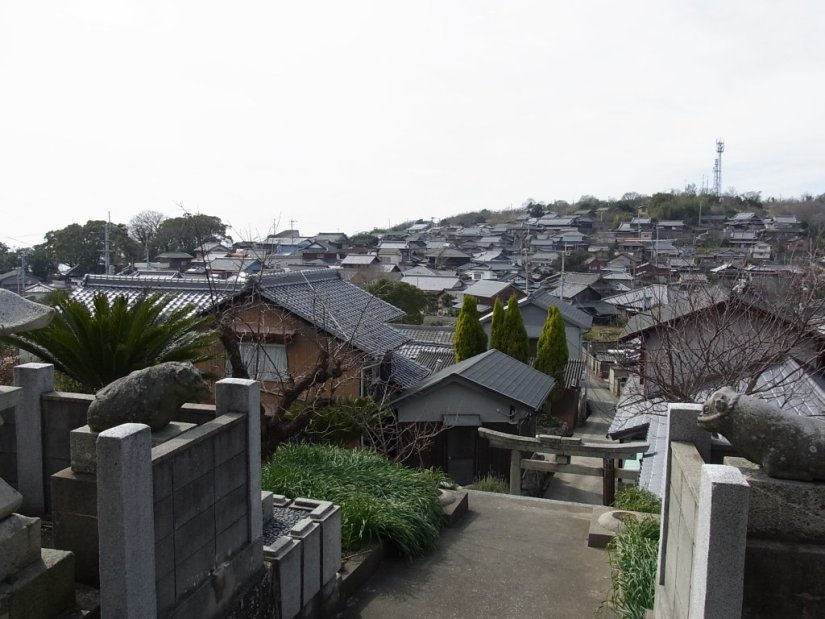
(346,115)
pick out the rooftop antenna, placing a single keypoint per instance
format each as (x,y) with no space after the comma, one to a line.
(717,168)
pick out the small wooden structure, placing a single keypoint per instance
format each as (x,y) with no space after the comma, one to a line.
(564,448)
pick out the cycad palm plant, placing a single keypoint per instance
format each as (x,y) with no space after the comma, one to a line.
(98,345)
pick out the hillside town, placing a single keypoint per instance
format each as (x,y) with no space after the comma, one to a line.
(562,352)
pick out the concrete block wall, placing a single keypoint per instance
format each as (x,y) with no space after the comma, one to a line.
(200,485)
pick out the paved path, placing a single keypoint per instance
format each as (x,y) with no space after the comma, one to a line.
(508,557)
(587,488)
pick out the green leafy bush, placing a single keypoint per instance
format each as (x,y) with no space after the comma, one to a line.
(633,554)
(379,500)
(635,499)
(491,483)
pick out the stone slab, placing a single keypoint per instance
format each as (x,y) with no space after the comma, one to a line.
(43,589)
(9,398)
(19,543)
(267,504)
(83,442)
(10,500)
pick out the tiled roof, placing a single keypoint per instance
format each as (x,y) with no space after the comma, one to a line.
(431,356)
(320,297)
(496,372)
(200,292)
(346,311)
(406,372)
(427,333)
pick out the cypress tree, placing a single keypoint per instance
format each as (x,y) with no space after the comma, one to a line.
(551,350)
(514,339)
(469,338)
(497,325)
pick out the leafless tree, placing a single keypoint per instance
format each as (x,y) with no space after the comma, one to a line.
(759,336)
(143,227)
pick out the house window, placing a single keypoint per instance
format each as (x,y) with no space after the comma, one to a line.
(265,362)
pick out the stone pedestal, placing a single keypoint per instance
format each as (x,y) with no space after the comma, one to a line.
(785,551)
(74,499)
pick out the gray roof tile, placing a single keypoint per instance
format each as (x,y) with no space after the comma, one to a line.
(497,372)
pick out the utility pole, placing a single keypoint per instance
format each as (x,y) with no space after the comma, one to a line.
(106,249)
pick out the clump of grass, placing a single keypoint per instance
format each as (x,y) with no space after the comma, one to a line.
(379,500)
(635,499)
(633,554)
(491,483)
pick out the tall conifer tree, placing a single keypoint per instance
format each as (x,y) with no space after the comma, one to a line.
(514,339)
(497,325)
(551,351)
(469,338)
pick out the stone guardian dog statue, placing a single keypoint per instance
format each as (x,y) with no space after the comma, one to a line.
(151,396)
(787,446)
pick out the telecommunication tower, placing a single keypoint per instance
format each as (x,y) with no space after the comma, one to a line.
(717,168)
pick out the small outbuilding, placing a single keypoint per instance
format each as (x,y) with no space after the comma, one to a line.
(492,390)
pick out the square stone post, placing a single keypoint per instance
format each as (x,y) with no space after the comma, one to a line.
(681,426)
(126,522)
(34,379)
(239,395)
(718,573)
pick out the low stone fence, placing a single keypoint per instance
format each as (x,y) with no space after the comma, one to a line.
(306,558)
(49,415)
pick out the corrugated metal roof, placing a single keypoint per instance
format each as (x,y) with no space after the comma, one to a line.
(497,372)
(428,283)
(486,288)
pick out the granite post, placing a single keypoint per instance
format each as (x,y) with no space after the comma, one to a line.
(717,579)
(126,526)
(239,395)
(681,426)
(34,379)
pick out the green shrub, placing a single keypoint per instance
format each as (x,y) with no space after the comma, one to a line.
(491,483)
(635,499)
(379,500)
(633,554)
(341,421)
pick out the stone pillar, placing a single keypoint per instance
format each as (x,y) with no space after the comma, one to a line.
(718,575)
(126,524)
(515,472)
(34,379)
(681,426)
(239,395)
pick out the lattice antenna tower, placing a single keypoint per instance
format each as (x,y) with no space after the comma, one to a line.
(717,168)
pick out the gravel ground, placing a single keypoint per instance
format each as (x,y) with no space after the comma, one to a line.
(284,518)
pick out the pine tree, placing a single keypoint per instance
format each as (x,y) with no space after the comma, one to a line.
(551,350)
(514,338)
(497,325)
(469,338)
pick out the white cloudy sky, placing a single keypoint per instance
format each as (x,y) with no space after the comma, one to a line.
(346,115)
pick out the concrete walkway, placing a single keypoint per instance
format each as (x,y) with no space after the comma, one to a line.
(508,557)
(585,488)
